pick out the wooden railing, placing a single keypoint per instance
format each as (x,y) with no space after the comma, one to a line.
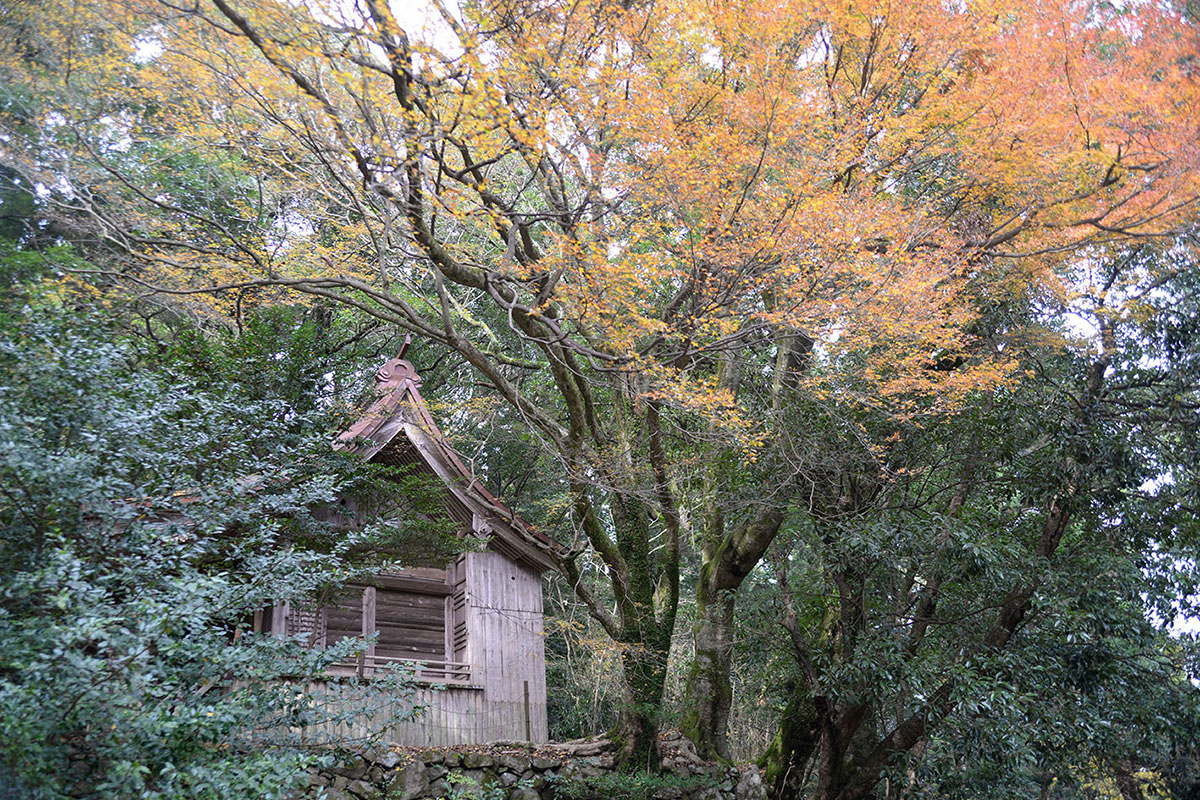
(427,671)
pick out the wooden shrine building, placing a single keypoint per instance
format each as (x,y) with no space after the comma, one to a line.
(472,630)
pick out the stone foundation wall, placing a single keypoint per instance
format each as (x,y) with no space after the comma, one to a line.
(518,773)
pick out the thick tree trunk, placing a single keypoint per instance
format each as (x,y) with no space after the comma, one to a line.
(646,620)
(788,759)
(636,734)
(817,748)
(728,560)
(710,693)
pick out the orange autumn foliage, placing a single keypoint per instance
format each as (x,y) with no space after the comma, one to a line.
(616,212)
(686,175)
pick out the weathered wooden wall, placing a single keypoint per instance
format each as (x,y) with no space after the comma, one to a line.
(500,602)
(451,716)
(506,645)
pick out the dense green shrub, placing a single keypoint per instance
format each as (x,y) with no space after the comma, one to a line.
(146,512)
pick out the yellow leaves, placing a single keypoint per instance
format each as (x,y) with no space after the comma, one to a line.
(703,396)
(692,173)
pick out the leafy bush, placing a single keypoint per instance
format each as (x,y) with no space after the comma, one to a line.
(630,785)
(145,515)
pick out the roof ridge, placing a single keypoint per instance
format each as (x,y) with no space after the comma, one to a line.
(401,410)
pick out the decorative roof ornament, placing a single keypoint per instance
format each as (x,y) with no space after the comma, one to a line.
(397,371)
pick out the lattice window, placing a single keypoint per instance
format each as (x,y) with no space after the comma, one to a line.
(309,623)
(458,612)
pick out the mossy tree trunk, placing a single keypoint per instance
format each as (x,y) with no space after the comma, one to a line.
(636,734)
(641,556)
(710,693)
(729,553)
(729,557)
(786,762)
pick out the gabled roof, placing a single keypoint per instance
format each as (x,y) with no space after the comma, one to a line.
(398,429)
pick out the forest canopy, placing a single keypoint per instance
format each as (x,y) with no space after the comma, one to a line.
(848,351)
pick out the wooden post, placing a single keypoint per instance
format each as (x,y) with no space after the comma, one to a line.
(279,614)
(368,628)
(528,729)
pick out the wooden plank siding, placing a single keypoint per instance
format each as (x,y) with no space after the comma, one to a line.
(486,613)
(410,625)
(506,643)
(450,716)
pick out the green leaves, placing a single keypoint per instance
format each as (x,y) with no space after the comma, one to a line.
(146,516)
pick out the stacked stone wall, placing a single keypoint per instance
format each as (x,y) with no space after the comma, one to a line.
(519,773)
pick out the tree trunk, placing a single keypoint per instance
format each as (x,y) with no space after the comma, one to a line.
(729,558)
(786,762)
(636,734)
(643,633)
(710,694)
